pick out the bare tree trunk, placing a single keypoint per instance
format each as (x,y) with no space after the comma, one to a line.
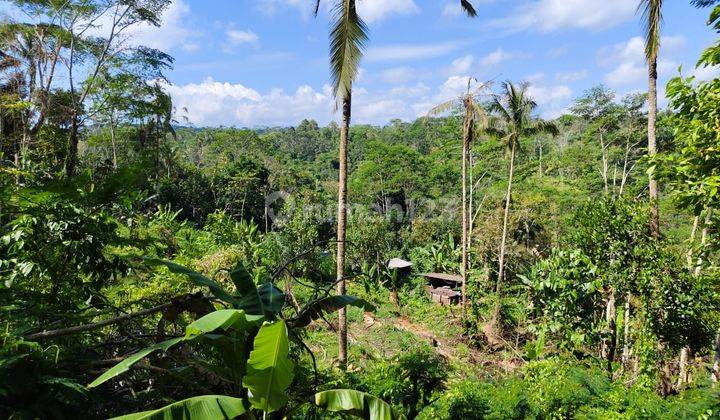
(682,367)
(703,242)
(467,135)
(501,262)
(626,332)
(715,376)
(652,146)
(609,347)
(604,162)
(693,233)
(341,224)
(72,157)
(112,140)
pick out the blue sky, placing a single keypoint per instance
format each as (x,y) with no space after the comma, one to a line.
(264,62)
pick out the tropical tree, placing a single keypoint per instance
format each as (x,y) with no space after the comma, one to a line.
(511,120)
(347,41)
(474,116)
(652,20)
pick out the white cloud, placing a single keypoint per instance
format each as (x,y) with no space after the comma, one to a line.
(375,10)
(706,73)
(236,36)
(216,103)
(627,60)
(498,56)
(552,100)
(551,15)
(461,65)
(408,52)
(174,32)
(572,76)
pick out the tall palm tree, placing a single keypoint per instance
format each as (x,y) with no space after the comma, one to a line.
(474,117)
(512,119)
(652,20)
(347,40)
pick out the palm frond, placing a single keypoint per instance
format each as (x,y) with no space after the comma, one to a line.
(542,127)
(651,12)
(480,116)
(443,107)
(468,8)
(347,42)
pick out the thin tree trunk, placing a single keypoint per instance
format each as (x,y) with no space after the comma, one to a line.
(652,146)
(703,242)
(341,224)
(501,262)
(715,376)
(693,233)
(626,332)
(682,366)
(72,157)
(611,341)
(467,135)
(604,162)
(112,140)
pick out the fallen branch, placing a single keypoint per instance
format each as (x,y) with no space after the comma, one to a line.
(44,335)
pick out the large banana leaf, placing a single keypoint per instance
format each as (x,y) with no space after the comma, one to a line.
(269,370)
(223,319)
(196,277)
(265,300)
(327,305)
(206,407)
(356,403)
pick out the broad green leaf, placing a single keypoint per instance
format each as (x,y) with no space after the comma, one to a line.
(327,305)
(222,319)
(266,300)
(242,280)
(272,298)
(196,277)
(355,403)
(126,364)
(269,370)
(206,407)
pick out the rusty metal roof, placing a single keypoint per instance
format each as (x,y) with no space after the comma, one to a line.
(442,276)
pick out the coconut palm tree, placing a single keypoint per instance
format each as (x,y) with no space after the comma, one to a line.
(511,120)
(652,20)
(474,117)
(347,40)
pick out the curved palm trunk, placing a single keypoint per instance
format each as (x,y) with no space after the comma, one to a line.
(501,262)
(652,146)
(341,223)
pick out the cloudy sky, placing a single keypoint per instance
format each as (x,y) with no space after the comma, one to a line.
(264,62)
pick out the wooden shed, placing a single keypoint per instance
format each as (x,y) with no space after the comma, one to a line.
(443,288)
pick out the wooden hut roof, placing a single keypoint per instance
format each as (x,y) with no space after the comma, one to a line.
(443,276)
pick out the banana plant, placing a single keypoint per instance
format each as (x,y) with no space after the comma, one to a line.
(253,340)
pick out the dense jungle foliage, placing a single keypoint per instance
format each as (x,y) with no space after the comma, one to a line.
(149,266)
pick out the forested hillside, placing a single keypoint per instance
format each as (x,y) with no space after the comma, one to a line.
(151,266)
